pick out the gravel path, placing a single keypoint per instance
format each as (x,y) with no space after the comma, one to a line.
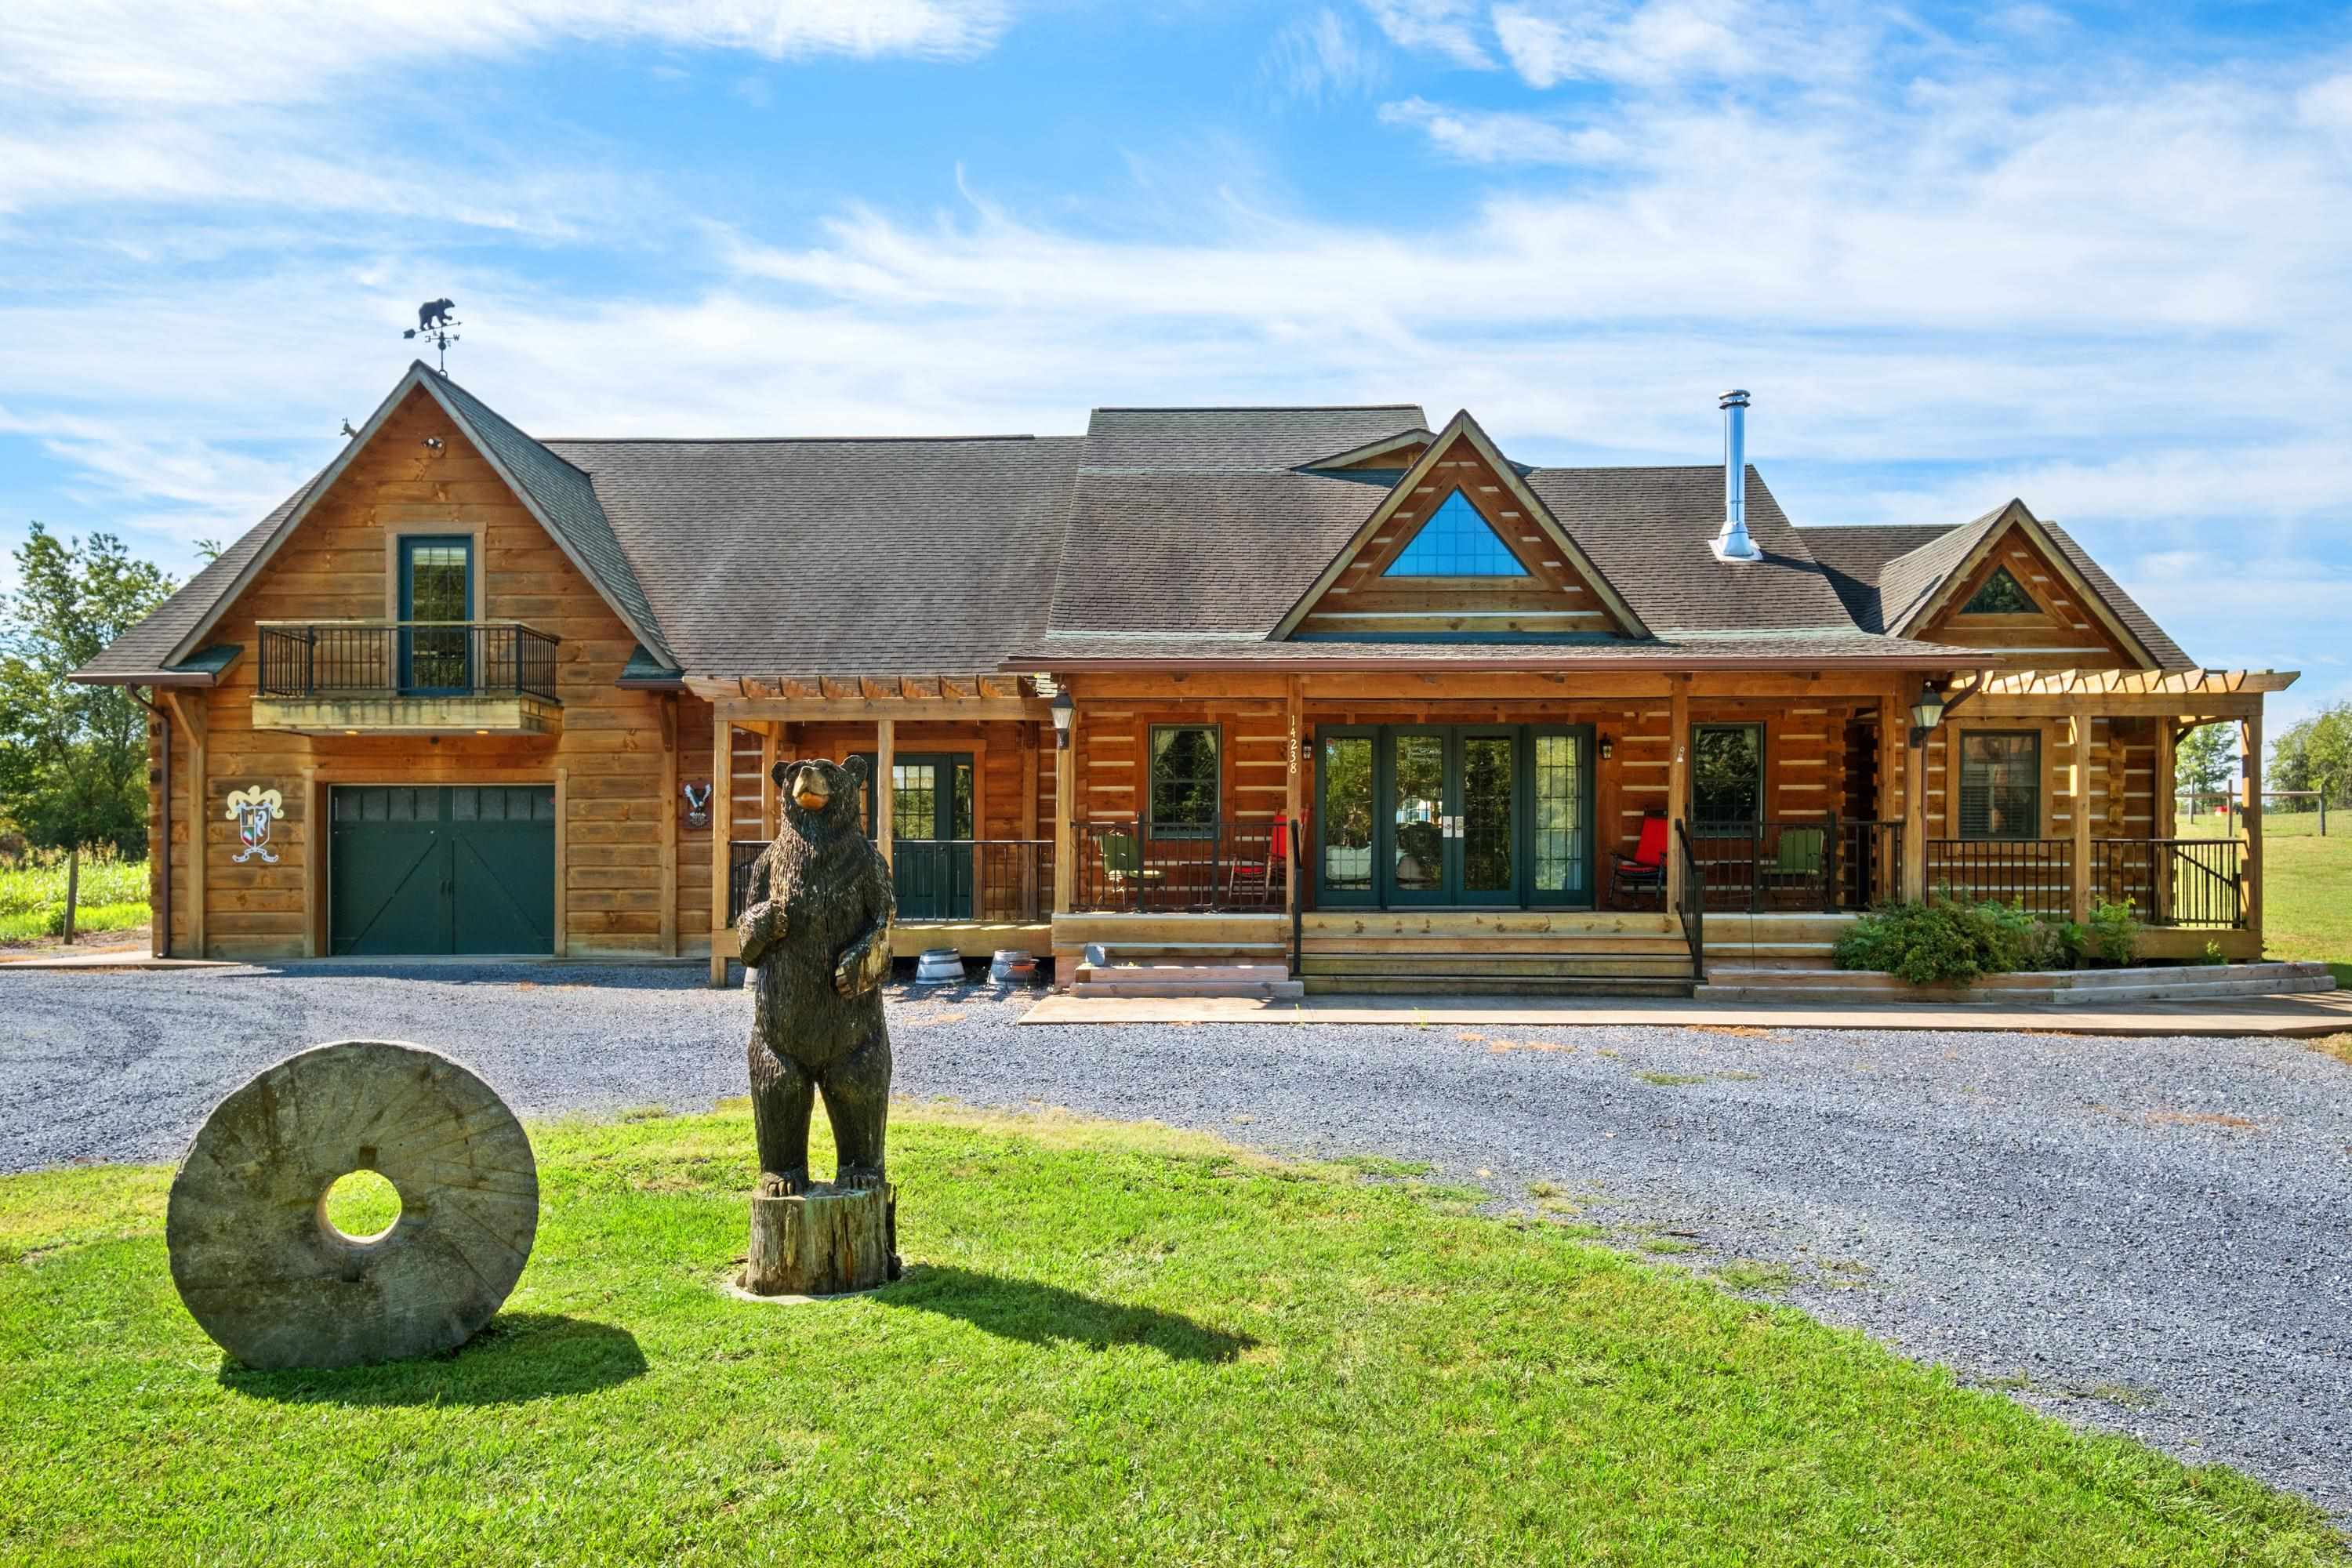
(2145,1235)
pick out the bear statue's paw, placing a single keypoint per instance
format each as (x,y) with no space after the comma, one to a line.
(791,1183)
(859,1178)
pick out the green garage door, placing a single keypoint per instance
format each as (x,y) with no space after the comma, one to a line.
(463,869)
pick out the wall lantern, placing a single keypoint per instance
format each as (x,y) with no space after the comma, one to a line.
(1926,712)
(1608,748)
(1064,711)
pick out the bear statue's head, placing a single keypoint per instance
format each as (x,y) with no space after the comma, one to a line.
(821,795)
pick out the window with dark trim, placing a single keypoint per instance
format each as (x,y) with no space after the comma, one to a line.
(1183,780)
(1727,776)
(2001,784)
(2002,595)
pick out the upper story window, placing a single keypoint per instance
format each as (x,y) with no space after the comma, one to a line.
(1184,780)
(1456,543)
(2001,784)
(2002,595)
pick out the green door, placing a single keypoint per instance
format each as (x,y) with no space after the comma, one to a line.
(463,869)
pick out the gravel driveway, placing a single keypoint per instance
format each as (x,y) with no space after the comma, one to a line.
(2148,1235)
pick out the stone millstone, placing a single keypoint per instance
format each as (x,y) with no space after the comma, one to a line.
(826,1241)
(276,1286)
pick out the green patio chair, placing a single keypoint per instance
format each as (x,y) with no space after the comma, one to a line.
(1123,867)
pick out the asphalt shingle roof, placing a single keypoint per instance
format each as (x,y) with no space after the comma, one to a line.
(1161,534)
(1211,440)
(838,557)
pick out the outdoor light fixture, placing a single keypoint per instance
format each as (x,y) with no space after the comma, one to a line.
(1064,711)
(1926,712)
(1608,748)
(1932,707)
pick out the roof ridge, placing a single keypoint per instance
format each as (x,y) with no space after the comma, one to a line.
(476,398)
(1253,407)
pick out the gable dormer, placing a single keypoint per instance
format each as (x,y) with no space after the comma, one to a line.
(1461,546)
(2015,594)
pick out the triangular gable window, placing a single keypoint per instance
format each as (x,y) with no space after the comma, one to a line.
(1456,543)
(2001,594)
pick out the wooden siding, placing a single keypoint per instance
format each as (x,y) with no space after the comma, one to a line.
(2063,632)
(608,759)
(1553,597)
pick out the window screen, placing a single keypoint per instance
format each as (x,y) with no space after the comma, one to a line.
(1183,780)
(1456,543)
(2000,786)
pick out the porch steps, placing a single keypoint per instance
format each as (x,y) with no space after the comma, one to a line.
(1125,977)
(1792,943)
(1500,953)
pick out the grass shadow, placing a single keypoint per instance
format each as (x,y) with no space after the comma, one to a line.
(517,1357)
(1046,1314)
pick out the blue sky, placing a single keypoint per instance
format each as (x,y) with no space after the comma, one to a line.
(2098,257)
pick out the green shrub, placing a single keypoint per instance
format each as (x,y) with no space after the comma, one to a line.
(1945,943)
(2109,937)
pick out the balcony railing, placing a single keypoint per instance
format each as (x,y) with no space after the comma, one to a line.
(993,881)
(1221,866)
(406,658)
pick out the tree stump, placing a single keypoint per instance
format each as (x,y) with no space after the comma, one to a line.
(826,1241)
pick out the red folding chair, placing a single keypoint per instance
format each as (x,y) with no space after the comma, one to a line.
(1646,867)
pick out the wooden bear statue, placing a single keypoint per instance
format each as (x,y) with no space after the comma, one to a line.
(815,934)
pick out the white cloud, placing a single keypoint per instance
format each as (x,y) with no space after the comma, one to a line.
(1502,136)
(1446,28)
(1317,57)
(122,54)
(1649,44)
(2328,104)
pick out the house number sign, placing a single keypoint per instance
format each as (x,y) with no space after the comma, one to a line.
(254,810)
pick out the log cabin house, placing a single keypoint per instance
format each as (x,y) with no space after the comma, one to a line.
(1333,690)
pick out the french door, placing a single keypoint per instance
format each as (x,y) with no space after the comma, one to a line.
(932,798)
(1465,816)
(436,584)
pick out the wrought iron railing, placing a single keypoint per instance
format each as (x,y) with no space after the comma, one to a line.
(1826,863)
(2035,875)
(395,659)
(1221,866)
(1692,906)
(998,880)
(2172,881)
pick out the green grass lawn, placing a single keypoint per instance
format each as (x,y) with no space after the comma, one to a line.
(1114,1344)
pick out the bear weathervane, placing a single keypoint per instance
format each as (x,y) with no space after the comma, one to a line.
(433,323)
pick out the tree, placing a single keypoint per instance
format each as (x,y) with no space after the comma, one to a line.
(2290,764)
(2202,761)
(73,758)
(2327,753)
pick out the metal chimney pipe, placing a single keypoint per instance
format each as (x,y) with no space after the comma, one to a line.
(1733,543)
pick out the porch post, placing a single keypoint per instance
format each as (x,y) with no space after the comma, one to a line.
(770,807)
(1888,803)
(2250,787)
(1915,820)
(1677,781)
(2079,819)
(1065,817)
(723,834)
(2166,826)
(1028,825)
(1294,794)
(885,749)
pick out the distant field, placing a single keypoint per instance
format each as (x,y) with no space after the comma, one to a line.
(112,897)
